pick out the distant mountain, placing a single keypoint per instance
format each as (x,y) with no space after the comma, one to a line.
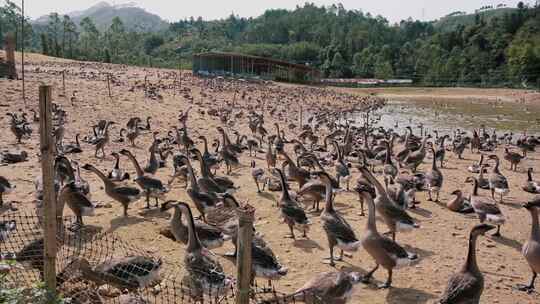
(133,17)
(452,21)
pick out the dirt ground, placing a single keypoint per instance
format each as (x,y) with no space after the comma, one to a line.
(441,242)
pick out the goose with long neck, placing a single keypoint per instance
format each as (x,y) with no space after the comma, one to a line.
(531,185)
(293,215)
(202,200)
(210,236)
(497,182)
(386,252)
(73,147)
(467,285)
(117,174)
(79,204)
(483,207)
(389,168)
(414,159)
(475,167)
(395,218)
(441,151)
(531,249)
(338,231)
(342,170)
(123,195)
(205,273)
(151,186)
(205,182)
(300,175)
(102,141)
(153,163)
(210,159)
(434,179)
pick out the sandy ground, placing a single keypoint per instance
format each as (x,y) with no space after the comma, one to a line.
(441,243)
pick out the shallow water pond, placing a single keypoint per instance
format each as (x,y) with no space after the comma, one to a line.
(448,116)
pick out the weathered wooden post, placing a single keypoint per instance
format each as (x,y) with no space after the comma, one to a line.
(246,217)
(22,54)
(64,82)
(109,84)
(49,195)
(10,57)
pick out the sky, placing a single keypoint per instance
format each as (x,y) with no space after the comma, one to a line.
(393,10)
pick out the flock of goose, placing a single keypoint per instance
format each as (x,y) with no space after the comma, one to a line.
(307,168)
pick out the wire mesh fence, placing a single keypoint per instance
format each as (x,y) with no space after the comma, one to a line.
(94,267)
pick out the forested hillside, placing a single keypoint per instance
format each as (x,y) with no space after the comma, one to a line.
(486,49)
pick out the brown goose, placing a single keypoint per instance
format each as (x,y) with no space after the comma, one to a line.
(384,251)
(434,179)
(512,157)
(79,204)
(334,287)
(298,174)
(459,203)
(205,273)
(485,210)
(102,141)
(202,200)
(117,174)
(293,215)
(5,188)
(123,195)
(497,182)
(395,218)
(467,285)
(338,231)
(211,237)
(414,159)
(151,186)
(531,249)
(530,185)
(153,164)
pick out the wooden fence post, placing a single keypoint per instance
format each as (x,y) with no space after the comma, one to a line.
(49,195)
(64,82)
(109,84)
(246,216)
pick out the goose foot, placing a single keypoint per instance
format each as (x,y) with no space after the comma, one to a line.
(385,285)
(338,258)
(526,288)
(328,261)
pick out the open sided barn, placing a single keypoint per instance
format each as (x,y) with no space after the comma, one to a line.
(240,65)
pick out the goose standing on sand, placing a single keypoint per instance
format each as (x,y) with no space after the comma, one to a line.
(123,195)
(258,176)
(395,218)
(153,164)
(434,179)
(293,215)
(386,252)
(513,158)
(485,210)
(338,231)
(531,249)
(205,273)
(103,140)
(151,186)
(202,200)
(467,285)
(72,148)
(117,174)
(497,182)
(79,204)
(441,151)
(211,237)
(477,166)
(5,188)
(530,185)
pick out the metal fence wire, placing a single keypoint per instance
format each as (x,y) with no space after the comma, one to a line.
(94,268)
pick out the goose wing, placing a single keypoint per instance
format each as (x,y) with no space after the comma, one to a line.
(393,249)
(461,287)
(340,229)
(82,200)
(498,181)
(294,212)
(150,183)
(481,206)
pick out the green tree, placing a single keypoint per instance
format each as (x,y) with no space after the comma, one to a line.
(69,34)
(89,39)
(54,29)
(152,42)
(383,69)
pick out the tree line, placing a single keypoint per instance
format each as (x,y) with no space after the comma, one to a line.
(503,50)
